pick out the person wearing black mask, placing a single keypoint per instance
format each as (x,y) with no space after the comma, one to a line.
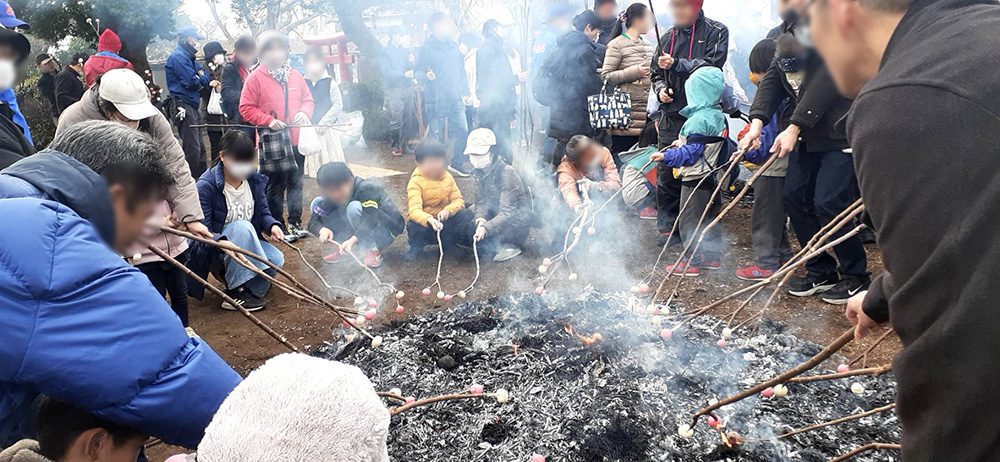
(821,181)
(607,12)
(496,87)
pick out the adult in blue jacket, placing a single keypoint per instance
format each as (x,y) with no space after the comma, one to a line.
(79,324)
(185,80)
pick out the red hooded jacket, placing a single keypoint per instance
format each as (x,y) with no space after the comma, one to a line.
(106,58)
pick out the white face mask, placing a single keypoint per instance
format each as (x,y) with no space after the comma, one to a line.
(239,170)
(315,68)
(480,162)
(8,74)
(219,59)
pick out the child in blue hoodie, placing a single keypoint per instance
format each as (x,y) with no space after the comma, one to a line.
(693,156)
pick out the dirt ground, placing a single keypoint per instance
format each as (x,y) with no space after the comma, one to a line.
(245,347)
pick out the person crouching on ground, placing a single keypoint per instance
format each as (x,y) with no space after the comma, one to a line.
(235,206)
(771,246)
(502,209)
(693,156)
(354,212)
(586,166)
(67,434)
(435,203)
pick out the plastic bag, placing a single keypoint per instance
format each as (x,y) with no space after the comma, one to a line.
(310,143)
(215,103)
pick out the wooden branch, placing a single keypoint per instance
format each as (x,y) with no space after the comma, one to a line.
(704,231)
(397,410)
(875,371)
(864,355)
(715,193)
(829,423)
(830,349)
(217,291)
(867,447)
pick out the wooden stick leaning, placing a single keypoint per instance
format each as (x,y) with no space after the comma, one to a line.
(338,310)
(219,292)
(702,310)
(715,193)
(715,221)
(828,423)
(673,228)
(863,357)
(874,371)
(827,352)
(867,447)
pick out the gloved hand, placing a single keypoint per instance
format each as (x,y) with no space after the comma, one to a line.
(181,113)
(588,184)
(302,119)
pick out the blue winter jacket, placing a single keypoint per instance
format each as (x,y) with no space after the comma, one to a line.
(8,96)
(82,326)
(185,77)
(213,203)
(767,135)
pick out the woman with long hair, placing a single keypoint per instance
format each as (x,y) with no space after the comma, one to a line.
(626,65)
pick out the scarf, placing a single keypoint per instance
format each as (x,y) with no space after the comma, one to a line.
(281,74)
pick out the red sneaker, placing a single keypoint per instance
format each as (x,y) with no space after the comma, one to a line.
(373,259)
(336,257)
(711,265)
(647,213)
(754,273)
(683,270)
(397,153)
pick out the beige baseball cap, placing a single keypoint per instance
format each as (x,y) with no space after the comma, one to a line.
(480,141)
(128,92)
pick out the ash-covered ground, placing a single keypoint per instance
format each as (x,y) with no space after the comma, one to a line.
(619,399)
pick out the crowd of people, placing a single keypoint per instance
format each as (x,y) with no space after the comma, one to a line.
(116,174)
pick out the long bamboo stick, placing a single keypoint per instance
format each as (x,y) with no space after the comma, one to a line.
(828,423)
(875,371)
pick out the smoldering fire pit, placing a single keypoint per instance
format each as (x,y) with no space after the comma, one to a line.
(616,396)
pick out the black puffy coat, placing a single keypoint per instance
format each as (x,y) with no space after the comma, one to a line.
(567,77)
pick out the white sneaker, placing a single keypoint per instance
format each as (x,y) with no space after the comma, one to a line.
(506,254)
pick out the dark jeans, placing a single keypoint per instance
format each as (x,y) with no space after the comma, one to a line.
(494,120)
(214,137)
(769,236)
(450,116)
(171,282)
(711,247)
(457,230)
(818,187)
(287,185)
(344,223)
(668,188)
(552,153)
(191,141)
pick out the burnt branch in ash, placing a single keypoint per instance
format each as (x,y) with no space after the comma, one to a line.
(867,447)
(828,423)
(873,371)
(219,292)
(437,399)
(830,349)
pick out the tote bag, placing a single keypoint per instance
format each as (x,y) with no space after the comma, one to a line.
(610,109)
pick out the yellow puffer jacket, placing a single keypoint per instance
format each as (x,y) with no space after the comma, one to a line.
(427,197)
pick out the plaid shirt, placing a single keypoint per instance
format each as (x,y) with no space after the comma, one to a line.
(276,152)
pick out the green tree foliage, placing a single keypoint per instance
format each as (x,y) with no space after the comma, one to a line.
(137,22)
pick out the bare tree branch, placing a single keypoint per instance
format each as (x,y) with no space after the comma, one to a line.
(218,20)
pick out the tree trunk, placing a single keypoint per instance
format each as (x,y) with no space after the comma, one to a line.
(357,31)
(135,52)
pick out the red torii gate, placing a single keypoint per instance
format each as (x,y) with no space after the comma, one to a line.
(335,47)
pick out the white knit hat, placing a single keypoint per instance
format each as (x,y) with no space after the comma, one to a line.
(297,408)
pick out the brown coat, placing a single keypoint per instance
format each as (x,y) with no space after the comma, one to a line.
(183,194)
(622,61)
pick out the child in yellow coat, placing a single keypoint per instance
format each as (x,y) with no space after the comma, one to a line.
(435,203)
